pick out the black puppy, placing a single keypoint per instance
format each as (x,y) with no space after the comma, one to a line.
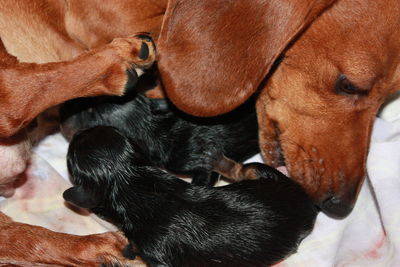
(172,140)
(170,222)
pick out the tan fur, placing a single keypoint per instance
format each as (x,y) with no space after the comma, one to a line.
(212,59)
(27,245)
(324,135)
(51,51)
(213,55)
(99,71)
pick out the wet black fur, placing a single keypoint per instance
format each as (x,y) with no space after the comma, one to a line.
(171,139)
(173,223)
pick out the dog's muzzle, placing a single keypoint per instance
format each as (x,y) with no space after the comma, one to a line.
(336,208)
(340,204)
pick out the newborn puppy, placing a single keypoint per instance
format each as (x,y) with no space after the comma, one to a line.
(170,222)
(172,140)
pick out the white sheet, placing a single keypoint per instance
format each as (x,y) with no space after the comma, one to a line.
(370,236)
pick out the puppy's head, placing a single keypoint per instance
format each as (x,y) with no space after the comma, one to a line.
(98,160)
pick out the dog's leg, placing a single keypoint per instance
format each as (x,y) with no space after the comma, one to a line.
(251,171)
(234,171)
(27,89)
(23,244)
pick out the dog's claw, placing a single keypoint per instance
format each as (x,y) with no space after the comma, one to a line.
(145,36)
(144,51)
(137,50)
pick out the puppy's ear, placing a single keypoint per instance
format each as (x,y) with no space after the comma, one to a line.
(213,54)
(81,198)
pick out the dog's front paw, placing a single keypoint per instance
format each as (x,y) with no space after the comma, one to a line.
(102,250)
(139,51)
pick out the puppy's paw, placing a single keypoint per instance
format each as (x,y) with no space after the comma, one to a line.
(129,252)
(211,157)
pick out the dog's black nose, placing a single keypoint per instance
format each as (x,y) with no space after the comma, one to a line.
(336,207)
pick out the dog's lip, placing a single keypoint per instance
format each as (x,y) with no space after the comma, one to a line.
(278,155)
(336,208)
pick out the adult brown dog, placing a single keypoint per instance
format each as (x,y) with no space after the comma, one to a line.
(317,108)
(43,63)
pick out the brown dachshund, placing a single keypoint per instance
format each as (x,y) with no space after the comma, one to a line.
(339,60)
(315,109)
(58,59)
(46,58)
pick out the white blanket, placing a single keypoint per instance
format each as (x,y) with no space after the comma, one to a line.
(370,236)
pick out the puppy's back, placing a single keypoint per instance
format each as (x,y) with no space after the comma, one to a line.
(249,223)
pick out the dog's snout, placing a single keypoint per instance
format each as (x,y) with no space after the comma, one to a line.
(337,207)
(339,203)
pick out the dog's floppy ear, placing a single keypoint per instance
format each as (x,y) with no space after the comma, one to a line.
(213,54)
(80,197)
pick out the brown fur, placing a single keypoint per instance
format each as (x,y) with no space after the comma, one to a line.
(29,88)
(52,51)
(213,54)
(324,135)
(24,245)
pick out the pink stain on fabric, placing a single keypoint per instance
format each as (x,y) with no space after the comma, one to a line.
(375,252)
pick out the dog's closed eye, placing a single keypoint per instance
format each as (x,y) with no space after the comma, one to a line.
(345,87)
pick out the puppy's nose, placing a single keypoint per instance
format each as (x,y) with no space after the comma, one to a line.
(336,207)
